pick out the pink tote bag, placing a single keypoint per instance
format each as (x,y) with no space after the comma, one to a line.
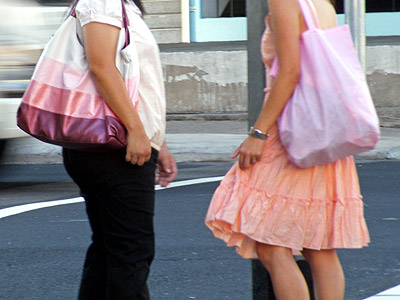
(331,114)
(62,106)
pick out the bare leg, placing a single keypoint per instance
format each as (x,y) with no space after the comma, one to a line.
(328,277)
(287,279)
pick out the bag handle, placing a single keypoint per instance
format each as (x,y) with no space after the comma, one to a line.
(125,20)
(73,8)
(311,19)
(309,13)
(125,24)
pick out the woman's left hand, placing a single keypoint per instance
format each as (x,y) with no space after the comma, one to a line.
(249,152)
(166,167)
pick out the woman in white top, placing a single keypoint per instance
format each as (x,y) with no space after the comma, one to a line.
(118,187)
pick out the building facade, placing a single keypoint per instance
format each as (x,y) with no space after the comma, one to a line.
(225,20)
(177,21)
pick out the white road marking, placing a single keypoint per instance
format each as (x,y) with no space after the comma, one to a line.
(390,294)
(190,182)
(15,210)
(390,219)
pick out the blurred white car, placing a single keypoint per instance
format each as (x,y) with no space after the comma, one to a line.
(25,27)
(14,78)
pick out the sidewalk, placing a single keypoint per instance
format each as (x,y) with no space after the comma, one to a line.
(192,140)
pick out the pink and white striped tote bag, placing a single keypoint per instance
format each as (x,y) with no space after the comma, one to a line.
(62,106)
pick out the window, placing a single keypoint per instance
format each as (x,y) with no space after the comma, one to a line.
(223,8)
(374,6)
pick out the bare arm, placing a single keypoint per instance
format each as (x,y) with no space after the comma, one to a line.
(285,19)
(100,42)
(166,166)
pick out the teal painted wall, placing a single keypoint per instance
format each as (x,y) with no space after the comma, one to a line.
(221,29)
(215,29)
(235,29)
(379,24)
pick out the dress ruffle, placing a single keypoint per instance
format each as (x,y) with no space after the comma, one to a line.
(276,203)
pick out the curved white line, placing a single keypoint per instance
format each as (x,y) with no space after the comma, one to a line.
(392,293)
(190,182)
(10,211)
(15,210)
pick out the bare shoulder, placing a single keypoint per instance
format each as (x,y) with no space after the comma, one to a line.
(284,12)
(283,4)
(326,13)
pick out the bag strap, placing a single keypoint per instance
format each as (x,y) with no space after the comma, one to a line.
(125,19)
(309,13)
(73,8)
(125,24)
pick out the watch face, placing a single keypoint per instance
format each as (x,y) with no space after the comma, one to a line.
(257,133)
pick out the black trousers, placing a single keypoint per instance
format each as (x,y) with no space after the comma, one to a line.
(119,201)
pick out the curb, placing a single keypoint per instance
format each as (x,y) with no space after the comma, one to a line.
(187,147)
(239,116)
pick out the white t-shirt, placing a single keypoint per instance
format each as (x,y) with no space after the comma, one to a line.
(151,107)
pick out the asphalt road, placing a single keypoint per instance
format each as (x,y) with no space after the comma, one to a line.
(41,251)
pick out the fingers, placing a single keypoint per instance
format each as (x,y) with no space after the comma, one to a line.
(165,166)
(249,152)
(138,159)
(236,153)
(174,171)
(142,159)
(164,178)
(167,171)
(128,156)
(255,158)
(245,161)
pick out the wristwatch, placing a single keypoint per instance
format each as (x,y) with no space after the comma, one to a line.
(258,134)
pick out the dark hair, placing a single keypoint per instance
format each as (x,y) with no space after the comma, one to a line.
(138,4)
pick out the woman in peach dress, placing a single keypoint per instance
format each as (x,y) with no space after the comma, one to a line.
(267,207)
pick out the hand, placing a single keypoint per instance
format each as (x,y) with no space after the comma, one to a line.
(249,152)
(166,167)
(138,149)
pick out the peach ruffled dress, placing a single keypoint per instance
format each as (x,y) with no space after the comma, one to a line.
(276,203)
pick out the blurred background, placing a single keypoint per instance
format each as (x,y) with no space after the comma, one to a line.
(199,40)
(25,27)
